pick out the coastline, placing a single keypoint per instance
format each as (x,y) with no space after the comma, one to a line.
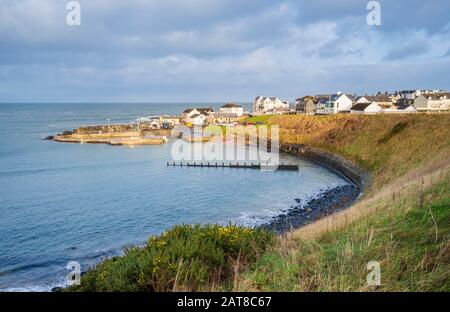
(302,213)
(328,201)
(324,204)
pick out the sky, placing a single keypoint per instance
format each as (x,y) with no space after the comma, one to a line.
(219,50)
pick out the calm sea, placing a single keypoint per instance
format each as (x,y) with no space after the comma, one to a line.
(70,202)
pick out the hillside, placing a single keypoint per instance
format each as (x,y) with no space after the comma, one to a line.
(386,145)
(402,222)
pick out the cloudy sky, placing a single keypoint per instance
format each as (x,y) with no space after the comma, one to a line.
(218,50)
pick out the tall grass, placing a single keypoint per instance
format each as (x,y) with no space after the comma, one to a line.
(409,236)
(403,223)
(386,145)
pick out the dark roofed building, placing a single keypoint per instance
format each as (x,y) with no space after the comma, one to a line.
(231,105)
(404,103)
(205,111)
(360,106)
(306,105)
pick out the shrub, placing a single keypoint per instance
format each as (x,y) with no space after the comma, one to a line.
(186,257)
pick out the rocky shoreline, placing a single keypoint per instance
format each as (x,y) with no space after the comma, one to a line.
(326,203)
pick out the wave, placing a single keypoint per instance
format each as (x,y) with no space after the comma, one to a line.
(36,288)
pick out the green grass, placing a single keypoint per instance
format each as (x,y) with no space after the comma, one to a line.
(258,119)
(409,237)
(186,257)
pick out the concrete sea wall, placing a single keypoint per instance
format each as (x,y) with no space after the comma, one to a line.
(335,162)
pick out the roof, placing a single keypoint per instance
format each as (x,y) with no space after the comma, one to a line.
(205,111)
(323,96)
(436,96)
(281,109)
(307,98)
(196,115)
(360,106)
(403,102)
(231,105)
(379,98)
(188,110)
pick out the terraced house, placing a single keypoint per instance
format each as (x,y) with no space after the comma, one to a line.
(384,100)
(306,105)
(232,108)
(268,105)
(432,102)
(334,103)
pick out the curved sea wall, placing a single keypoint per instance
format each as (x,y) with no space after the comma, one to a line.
(335,162)
(328,201)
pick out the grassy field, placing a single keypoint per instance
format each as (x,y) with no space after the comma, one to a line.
(409,236)
(402,223)
(386,145)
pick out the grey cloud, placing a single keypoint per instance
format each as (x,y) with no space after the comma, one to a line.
(406,51)
(215,49)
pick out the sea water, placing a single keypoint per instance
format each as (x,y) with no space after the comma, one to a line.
(62,202)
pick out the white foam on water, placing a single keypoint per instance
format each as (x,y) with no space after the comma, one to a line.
(249,220)
(43,288)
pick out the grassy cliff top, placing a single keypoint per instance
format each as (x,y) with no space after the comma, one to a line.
(402,223)
(386,145)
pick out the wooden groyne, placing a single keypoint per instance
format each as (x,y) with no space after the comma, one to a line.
(242,165)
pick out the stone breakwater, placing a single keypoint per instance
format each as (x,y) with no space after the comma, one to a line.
(326,203)
(113,135)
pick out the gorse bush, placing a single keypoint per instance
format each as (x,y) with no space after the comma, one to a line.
(186,257)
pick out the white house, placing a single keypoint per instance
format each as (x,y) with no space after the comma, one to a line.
(432,102)
(366,108)
(171,120)
(382,99)
(336,103)
(265,105)
(193,111)
(232,108)
(197,120)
